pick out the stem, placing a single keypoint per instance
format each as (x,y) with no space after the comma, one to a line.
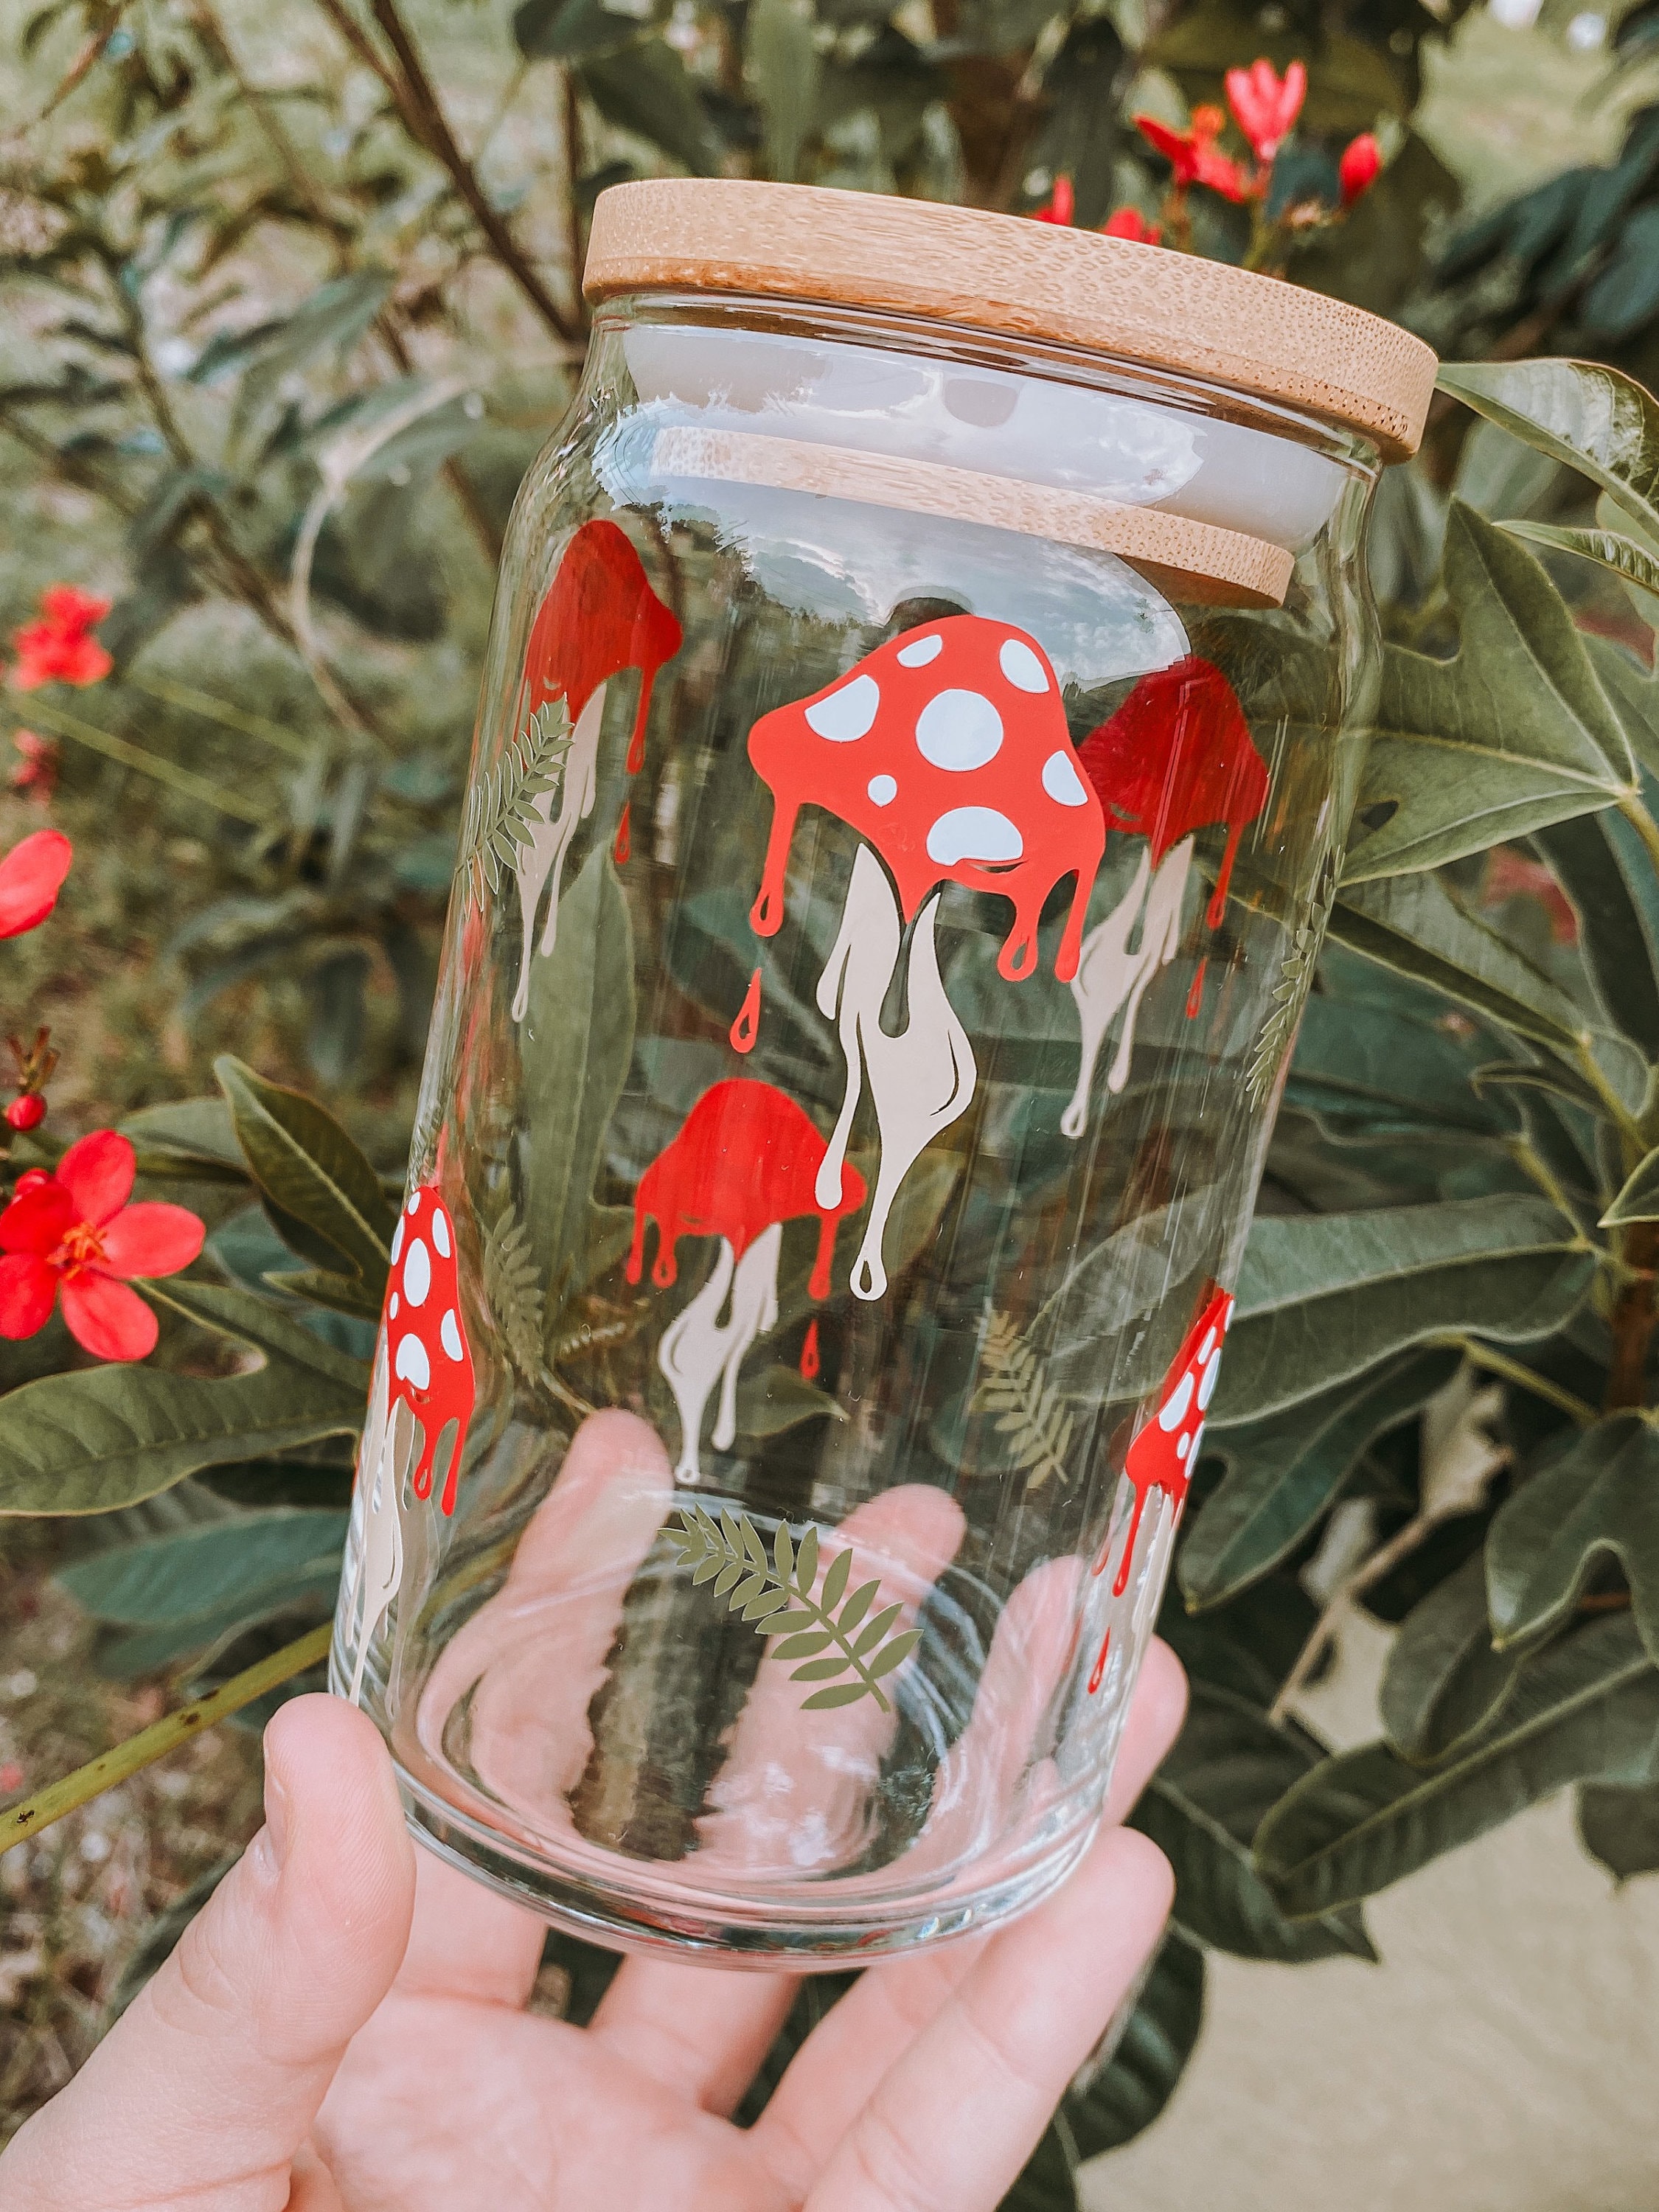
(88,55)
(20,1822)
(64,725)
(424,118)
(223,712)
(1524,1378)
(213,34)
(1632,1320)
(1643,824)
(1400,1545)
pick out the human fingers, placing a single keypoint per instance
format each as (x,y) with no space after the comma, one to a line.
(207,2087)
(529,1663)
(951,2124)
(793,1796)
(869,2031)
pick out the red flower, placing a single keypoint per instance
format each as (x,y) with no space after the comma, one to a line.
(30,876)
(1193,154)
(1129,223)
(74,1231)
(1063,204)
(26,1111)
(59,649)
(1265,105)
(1361,167)
(36,771)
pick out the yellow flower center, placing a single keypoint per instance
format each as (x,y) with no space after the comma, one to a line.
(83,1246)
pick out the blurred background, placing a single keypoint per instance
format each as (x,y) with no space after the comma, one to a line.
(287,303)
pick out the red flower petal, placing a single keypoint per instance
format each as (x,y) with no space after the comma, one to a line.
(84,661)
(66,606)
(1361,167)
(152,1239)
(97,1172)
(110,1320)
(35,1221)
(30,876)
(27,1289)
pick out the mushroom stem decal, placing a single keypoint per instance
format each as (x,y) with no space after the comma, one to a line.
(1177,755)
(599,616)
(1165,1451)
(745,1160)
(946,750)
(377,1513)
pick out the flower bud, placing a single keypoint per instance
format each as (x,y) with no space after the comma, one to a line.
(26,1111)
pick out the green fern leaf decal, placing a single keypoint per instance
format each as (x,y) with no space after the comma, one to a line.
(1284,1008)
(498,817)
(513,1289)
(1034,1423)
(829,1634)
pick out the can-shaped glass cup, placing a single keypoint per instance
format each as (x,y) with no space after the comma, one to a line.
(920,726)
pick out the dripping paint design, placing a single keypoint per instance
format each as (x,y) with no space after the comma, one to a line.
(600,616)
(745,1160)
(429,1359)
(1165,1451)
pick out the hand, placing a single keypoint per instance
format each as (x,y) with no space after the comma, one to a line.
(343,2028)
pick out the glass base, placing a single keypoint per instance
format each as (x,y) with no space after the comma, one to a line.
(658,1918)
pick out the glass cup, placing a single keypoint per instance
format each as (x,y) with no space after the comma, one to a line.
(910,782)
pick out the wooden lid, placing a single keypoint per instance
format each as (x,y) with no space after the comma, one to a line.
(1021,279)
(1194,561)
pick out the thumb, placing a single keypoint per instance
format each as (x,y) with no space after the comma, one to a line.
(207,2086)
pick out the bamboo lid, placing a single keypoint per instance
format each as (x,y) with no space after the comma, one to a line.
(1010,276)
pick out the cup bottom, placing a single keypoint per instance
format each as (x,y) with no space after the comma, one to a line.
(646,1914)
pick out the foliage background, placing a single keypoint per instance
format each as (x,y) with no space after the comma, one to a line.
(254,295)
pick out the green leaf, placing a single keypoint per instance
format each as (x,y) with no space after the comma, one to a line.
(1595,419)
(1322,1297)
(806,1645)
(781,1398)
(1285,1473)
(1443,1681)
(89,1442)
(893,1654)
(1586,1707)
(193,1574)
(194,1139)
(1633,690)
(1414,925)
(806,1562)
(1600,862)
(1513,733)
(1202,1808)
(573,30)
(575,1042)
(856,1607)
(1620,1827)
(1136,2076)
(646,89)
(346,1294)
(834,1583)
(1631,562)
(1639,1198)
(783,1553)
(1598,1498)
(843,1693)
(821,1670)
(782,64)
(1389,1072)
(310,1169)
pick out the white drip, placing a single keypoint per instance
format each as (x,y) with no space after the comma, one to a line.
(921,1081)
(378,1512)
(699,1350)
(1109,974)
(551,837)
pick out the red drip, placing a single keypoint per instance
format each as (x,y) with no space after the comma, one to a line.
(745,1157)
(1195,996)
(429,1360)
(623,844)
(1099,1673)
(808,1351)
(599,616)
(746,1028)
(1165,1449)
(1122,1581)
(963,748)
(1177,755)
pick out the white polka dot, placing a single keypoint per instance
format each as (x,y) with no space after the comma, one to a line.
(1227,1318)
(397,1240)
(449,1335)
(884,790)
(1207,1381)
(1061,781)
(1207,1347)
(440,1232)
(1182,1447)
(973,833)
(413,1366)
(959,730)
(1172,1415)
(848,714)
(414,1205)
(920,652)
(392,1309)
(417,1273)
(1198,1438)
(1021,665)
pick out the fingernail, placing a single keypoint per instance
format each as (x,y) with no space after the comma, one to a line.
(278,1821)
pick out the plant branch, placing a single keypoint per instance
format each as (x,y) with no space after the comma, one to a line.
(21,1822)
(1370,1571)
(1631,1322)
(63,724)
(225,712)
(1524,1378)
